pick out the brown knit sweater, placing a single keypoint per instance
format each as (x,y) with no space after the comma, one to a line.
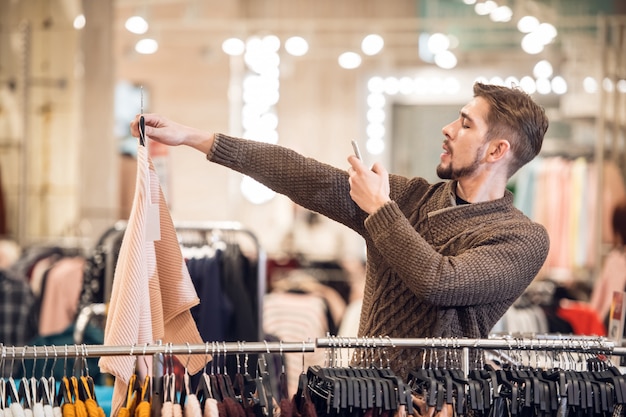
(434,269)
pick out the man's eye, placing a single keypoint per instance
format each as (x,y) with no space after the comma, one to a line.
(465,126)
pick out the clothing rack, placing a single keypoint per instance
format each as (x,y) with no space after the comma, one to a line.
(206,229)
(157,351)
(583,344)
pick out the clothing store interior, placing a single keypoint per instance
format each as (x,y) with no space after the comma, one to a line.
(272,292)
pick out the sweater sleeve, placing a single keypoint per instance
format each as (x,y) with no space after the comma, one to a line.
(490,264)
(312,184)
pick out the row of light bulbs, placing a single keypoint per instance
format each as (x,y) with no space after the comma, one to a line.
(371,44)
(438,46)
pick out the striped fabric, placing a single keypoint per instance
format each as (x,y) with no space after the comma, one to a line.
(296,317)
(152,290)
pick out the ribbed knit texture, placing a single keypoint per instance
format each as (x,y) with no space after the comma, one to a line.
(152,290)
(434,269)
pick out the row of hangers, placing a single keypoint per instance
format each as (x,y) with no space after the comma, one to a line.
(528,380)
(74,394)
(520,380)
(212,386)
(361,383)
(525,385)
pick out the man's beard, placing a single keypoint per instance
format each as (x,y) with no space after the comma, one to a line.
(451,173)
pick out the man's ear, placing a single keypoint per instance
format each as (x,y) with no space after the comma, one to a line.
(498,149)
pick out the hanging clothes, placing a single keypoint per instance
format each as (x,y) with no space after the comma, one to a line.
(61,289)
(18,311)
(561,194)
(152,291)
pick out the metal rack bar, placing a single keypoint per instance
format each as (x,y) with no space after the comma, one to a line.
(574,344)
(214,348)
(556,342)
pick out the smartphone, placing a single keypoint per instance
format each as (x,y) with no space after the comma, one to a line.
(357,152)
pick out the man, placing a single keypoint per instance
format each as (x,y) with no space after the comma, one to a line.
(443,260)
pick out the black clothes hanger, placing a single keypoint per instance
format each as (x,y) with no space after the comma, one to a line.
(245,385)
(142,131)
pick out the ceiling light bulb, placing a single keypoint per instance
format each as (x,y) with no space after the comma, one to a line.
(233,46)
(137,25)
(79,22)
(527,24)
(446,60)
(349,60)
(543,69)
(559,85)
(147,46)
(438,42)
(372,44)
(296,46)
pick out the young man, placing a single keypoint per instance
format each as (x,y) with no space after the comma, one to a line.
(443,260)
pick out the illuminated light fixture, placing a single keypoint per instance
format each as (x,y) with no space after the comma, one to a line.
(79,22)
(349,60)
(270,43)
(543,86)
(136,24)
(543,69)
(376,116)
(376,85)
(296,46)
(486,7)
(469,2)
(255,192)
(527,24)
(375,146)
(147,46)
(375,130)
(532,43)
(528,84)
(547,32)
(607,84)
(438,42)
(445,60)
(590,85)
(260,93)
(621,86)
(559,85)
(372,44)
(501,14)
(233,46)
(392,86)
(376,100)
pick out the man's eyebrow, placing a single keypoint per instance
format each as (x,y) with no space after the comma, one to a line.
(466,116)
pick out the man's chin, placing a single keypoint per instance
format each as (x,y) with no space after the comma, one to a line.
(444,174)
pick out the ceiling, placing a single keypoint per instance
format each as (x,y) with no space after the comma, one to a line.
(332,27)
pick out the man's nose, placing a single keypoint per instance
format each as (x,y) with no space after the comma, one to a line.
(448,130)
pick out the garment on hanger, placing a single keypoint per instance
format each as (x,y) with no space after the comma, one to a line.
(152,291)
